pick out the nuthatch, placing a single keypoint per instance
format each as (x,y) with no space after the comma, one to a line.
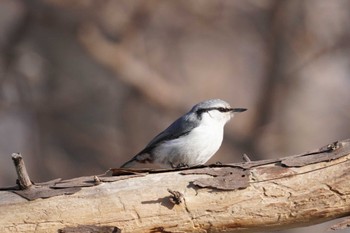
(191,140)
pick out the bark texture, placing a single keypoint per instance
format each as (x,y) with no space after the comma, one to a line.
(273,194)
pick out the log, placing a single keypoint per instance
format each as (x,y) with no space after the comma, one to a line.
(266,195)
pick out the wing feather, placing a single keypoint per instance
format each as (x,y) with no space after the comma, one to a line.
(180,127)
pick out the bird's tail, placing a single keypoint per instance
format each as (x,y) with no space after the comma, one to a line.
(132,162)
(137,159)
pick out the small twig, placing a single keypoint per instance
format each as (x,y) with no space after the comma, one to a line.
(23,178)
(246,158)
(343,224)
(97,180)
(176,197)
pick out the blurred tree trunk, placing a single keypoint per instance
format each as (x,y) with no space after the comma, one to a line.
(253,196)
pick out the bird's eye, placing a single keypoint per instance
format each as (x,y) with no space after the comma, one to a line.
(200,111)
(222,109)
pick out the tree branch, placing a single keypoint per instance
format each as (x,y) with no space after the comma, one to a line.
(253,196)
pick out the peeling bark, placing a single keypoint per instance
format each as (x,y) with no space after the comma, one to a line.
(252,196)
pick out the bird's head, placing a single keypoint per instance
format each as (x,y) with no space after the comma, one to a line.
(215,111)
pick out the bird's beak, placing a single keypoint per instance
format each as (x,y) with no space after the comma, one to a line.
(238,110)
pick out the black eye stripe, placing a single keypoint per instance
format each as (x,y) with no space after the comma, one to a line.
(220,109)
(224,109)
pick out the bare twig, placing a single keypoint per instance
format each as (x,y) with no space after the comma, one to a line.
(246,158)
(176,197)
(23,177)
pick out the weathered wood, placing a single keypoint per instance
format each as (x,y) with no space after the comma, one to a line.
(23,178)
(295,191)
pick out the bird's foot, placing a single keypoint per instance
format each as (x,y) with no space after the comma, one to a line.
(180,165)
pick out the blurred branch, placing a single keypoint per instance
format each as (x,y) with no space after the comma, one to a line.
(274,37)
(342,43)
(129,69)
(16,34)
(275,43)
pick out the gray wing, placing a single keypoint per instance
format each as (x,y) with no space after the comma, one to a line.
(180,127)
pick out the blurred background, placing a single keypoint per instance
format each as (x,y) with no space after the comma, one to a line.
(87,84)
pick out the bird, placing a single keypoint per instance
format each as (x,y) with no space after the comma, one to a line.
(191,140)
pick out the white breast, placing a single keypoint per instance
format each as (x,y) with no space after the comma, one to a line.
(206,141)
(193,149)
